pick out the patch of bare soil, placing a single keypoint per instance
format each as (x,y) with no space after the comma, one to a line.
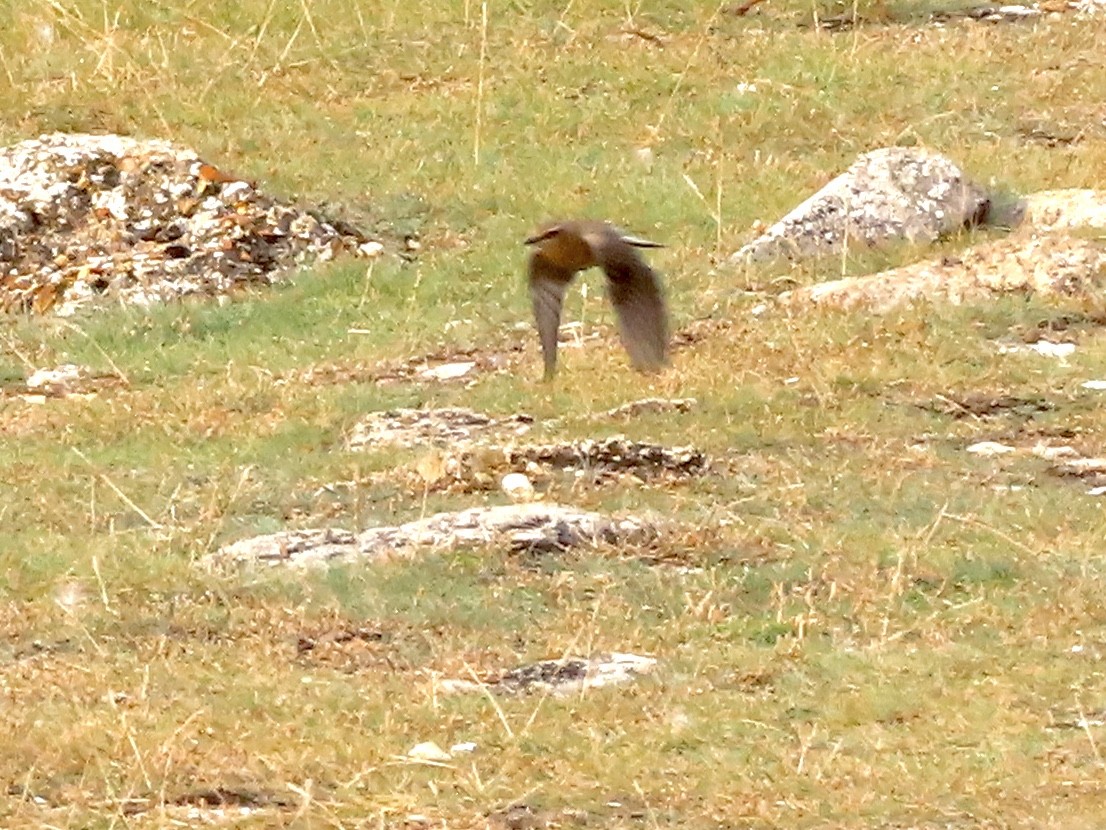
(1061,327)
(347,648)
(88,216)
(983,405)
(649,406)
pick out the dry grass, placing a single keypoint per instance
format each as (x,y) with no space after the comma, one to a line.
(886,632)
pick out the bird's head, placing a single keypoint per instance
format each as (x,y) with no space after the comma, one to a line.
(547,232)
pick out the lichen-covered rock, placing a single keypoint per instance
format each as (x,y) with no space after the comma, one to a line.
(86,215)
(561,677)
(611,455)
(537,526)
(473,451)
(895,193)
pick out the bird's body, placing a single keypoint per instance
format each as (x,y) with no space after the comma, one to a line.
(561,250)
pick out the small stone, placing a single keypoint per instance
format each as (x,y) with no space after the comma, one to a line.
(57,380)
(990,448)
(428,751)
(1049,349)
(517,487)
(447,371)
(1053,453)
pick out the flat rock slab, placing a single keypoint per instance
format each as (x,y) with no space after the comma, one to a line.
(537,526)
(611,455)
(82,216)
(566,676)
(1049,264)
(1063,210)
(895,193)
(66,380)
(473,451)
(413,427)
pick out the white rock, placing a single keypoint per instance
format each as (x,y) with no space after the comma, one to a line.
(428,751)
(1044,348)
(58,377)
(1096,385)
(990,448)
(447,371)
(1052,453)
(517,487)
(1048,349)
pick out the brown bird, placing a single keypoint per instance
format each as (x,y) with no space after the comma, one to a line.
(564,248)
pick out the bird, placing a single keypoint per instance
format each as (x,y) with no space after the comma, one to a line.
(561,250)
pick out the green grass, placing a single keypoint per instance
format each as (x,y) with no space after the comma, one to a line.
(881,632)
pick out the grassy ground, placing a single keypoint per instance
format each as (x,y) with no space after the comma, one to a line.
(886,632)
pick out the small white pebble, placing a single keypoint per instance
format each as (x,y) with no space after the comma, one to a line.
(428,751)
(517,487)
(990,448)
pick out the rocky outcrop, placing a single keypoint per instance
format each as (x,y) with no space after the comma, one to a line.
(1049,264)
(1041,257)
(87,215)
(473,451)
(537,526)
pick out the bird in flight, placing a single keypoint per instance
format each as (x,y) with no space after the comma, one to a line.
(561,249)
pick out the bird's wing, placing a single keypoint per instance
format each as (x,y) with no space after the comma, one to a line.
(548,282)
(639,303)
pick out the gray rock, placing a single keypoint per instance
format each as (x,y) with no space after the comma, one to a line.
(519,526)
(895,193)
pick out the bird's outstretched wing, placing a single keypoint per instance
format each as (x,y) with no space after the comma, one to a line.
(635,291)
(548,283)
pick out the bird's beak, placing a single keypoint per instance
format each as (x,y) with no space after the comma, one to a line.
(638,242)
